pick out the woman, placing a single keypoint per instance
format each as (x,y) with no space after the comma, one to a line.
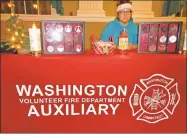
(124,20)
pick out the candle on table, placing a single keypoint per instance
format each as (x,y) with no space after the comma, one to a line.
(35,41)
(123,40)
(185,45)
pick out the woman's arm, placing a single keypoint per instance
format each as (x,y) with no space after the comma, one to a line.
(134,39)
(106,32)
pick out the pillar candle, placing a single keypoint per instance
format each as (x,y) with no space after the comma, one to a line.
(35,41)
(184,47)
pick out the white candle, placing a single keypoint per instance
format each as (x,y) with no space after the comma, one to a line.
(184,47)
(35,41)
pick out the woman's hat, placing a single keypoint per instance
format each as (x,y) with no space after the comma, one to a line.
(124,7)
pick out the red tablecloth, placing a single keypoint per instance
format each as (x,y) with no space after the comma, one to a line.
(88,69)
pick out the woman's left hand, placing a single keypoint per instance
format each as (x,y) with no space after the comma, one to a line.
(131,47)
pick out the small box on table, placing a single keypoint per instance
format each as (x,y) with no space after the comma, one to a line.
(104,48)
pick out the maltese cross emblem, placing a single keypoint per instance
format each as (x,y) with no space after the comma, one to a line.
(154,99)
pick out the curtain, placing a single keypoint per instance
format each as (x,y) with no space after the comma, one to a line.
(172,7)
(57,4)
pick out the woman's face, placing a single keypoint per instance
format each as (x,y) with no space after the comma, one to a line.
(124,16)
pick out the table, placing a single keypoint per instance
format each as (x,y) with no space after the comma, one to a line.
(88,69)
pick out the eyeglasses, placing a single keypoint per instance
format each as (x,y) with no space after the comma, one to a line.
(124,13)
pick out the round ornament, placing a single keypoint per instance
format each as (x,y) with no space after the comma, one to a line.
(78,48)
(68,28)
(153,29)
(163,29)
(173,30)
(152,48)
(60,48)
(173,39)
(78,29)
(163,39)
(50,48)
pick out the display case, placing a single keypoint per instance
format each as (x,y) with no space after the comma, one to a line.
(63,37)
(159,37)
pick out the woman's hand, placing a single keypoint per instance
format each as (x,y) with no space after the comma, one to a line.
(132,47)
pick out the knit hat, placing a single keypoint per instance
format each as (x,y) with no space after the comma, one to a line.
(124,7)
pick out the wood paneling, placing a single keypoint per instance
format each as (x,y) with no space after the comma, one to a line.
(157,7)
